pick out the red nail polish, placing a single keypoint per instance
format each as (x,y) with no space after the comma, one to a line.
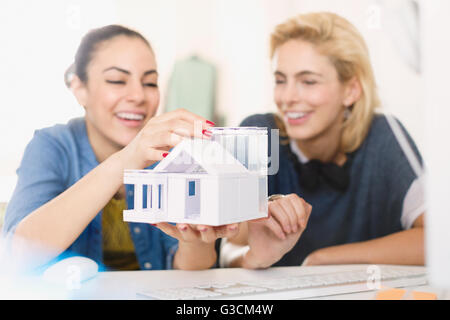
(210,123)
(165,154)
(206,132)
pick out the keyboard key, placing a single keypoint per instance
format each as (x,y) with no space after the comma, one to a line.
(203,286)
(222,285)
(240,290)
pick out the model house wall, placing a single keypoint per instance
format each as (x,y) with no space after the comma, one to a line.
(199,182)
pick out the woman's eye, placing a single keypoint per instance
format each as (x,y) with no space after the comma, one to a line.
(151,84)
(279,81)
(115,81)
(309,82)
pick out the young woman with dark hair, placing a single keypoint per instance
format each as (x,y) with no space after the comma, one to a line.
(70,195)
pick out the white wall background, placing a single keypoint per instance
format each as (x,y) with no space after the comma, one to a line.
(39,40)
(437,67)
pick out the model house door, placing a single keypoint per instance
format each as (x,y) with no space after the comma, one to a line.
(192,205)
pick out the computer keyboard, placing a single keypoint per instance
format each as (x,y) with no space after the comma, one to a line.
(292,287)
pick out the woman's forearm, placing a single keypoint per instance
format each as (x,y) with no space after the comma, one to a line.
(404,247)
(194,257)
(53,227)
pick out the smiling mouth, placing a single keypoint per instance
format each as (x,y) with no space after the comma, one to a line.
(130,116)
(296,115)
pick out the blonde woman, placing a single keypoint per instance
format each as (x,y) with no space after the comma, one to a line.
(337,154)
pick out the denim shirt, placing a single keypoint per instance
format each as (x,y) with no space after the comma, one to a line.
(55,159)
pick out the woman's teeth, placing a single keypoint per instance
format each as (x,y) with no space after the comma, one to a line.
(130,116)
(295,115)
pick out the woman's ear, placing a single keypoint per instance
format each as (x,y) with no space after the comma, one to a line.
(79,90)
(353,92)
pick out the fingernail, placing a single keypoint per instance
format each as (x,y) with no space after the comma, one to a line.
(183,228)
(232,228)
(165,154)
(206,132)
(210,123)
(203,229)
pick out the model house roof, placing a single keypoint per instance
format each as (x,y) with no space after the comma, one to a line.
(200,156)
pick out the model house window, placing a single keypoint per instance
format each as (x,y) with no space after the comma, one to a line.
(159,195)
(144,196)
(192,200)
(191,188)
(129,188)
(151,196)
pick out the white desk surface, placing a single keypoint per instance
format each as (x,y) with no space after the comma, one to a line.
(125,284)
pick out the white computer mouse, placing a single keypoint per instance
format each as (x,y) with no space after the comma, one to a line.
(71,271)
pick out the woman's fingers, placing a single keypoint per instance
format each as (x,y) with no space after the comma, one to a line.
(169,229)
(302,209)
(290,211)
(156,140)
(181,231)
(308,208)
(160,139)
(278,213)
(171,133)
(183,115)
(287,215)
(275,227)
(207,233)
(227,231)
(162,132)
(198,233)
(187,232)
(185,128)
(210,234)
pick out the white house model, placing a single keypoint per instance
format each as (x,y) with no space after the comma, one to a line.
(212,182)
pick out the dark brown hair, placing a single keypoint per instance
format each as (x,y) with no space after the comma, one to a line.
(90,43)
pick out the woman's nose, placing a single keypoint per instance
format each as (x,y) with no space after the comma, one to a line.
(136,93)
(291,94)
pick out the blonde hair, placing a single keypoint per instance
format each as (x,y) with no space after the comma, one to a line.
(338,39)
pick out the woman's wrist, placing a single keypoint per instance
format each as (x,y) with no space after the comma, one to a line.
(195,255)
(193,247)
(123,157)
(252,261)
